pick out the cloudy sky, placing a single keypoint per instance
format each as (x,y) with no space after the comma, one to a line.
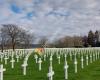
(52,17)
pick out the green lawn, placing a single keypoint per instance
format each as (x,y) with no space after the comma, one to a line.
(91,72)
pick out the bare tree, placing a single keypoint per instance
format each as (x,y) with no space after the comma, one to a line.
(13,31)
(78,42)
(67,41)
(17,36)
(3,39)
(26,39)
(43,42)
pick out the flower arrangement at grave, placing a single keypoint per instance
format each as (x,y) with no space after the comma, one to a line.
(39,51)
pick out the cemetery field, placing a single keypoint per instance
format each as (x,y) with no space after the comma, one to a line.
(89,72)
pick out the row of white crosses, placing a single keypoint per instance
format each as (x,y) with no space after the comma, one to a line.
(89,54)
(62,53)
(6,55)
(51,72)
(39,61)
(91,59)
(25,62)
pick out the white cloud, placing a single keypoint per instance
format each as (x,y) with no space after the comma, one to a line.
(69,17)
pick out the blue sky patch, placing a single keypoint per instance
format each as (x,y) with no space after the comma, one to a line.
(15,8)
(30,15)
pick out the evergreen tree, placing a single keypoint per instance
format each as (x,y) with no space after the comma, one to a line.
(97,39)
(91,38)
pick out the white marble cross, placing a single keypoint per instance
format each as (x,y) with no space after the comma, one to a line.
(44,57)
(70,56)
(65,57)
(59,59)
(93,57)
(1,56)
(90,58)
(36,58)
(66,70)
(1,72)
(75,62)
(12,63)
(96,56)
(40,61)
(24,65)
(51,60)
(6,59)
(17,57)
(82,65)
(51,73)
(87,62)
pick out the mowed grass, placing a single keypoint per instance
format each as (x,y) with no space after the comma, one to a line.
(90,72)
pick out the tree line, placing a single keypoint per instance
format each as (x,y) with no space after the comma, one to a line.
(13,37)
(92,39)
